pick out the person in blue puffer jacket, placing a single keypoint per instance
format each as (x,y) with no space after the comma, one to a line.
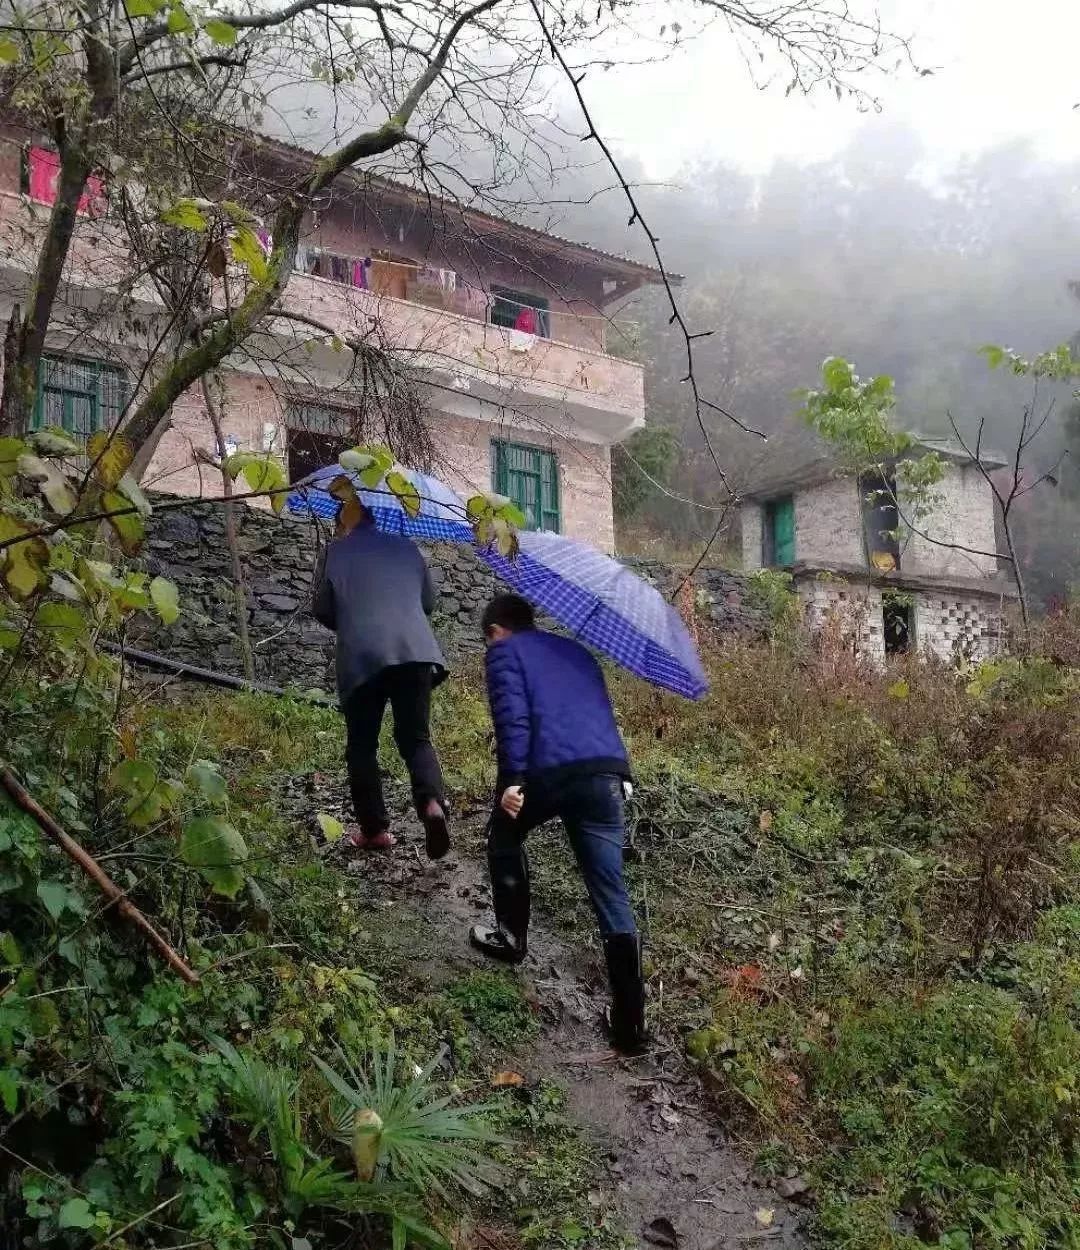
(560,755)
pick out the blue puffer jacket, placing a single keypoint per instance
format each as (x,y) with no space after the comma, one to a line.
(551,710)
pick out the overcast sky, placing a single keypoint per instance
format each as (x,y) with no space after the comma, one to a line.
(1002,70)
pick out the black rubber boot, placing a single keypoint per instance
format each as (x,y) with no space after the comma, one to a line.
(626,1018)
(508,941)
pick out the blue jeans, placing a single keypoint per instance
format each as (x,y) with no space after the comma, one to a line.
(592,810)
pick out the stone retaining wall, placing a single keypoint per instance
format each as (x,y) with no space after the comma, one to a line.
(291,649)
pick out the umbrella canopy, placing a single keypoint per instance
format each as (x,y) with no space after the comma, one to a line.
(605,605)
(441,516)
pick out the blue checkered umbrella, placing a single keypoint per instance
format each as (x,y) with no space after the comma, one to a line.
(606,606)
(441,517)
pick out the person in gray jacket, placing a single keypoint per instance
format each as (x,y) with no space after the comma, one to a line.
(375,592)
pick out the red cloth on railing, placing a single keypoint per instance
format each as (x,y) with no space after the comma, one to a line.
(44,171)
(526,321)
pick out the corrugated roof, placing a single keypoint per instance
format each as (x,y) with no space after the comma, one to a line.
(475,216)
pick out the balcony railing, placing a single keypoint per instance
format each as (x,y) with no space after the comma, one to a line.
(446,289)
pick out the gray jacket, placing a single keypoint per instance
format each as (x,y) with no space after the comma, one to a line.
(375,591)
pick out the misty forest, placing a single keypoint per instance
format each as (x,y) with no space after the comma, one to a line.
(539,679)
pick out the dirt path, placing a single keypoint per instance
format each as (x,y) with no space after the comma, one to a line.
(665,1153)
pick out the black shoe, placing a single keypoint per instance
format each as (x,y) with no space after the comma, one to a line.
(626,1018)
(497,944)
(436,829)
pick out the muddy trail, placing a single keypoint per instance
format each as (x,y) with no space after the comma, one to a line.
(672,1174)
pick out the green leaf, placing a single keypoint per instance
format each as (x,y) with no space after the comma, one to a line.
(143,8)
(9,638)
(217,850)
(899,689)
(10,451)
(995,356)
(356,460)
(56,897)
(51,482)
(134,777)
(166,599)
(64,620)
(133,493)
(9,51)
(512,515)
(404,491)
(76,1213)
(220,32)
(125,521)
(180,22)
(10,954)
(237,212)
(185,214)
(205,778)
(22,565)
(52,441)
(331,827)
(248,251)
(477,507)
(265,473)
(10,1084)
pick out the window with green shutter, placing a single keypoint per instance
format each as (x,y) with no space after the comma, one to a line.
(530,477)
(778,534)
(79,396)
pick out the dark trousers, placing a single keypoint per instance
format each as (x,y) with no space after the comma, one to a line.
(592,810)
(407,688)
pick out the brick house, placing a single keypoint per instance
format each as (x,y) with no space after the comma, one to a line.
(887,588)
(509,332)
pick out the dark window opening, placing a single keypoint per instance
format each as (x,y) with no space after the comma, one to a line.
(881,522)
(899,624)
(317,436)
(778,532)
(520,310)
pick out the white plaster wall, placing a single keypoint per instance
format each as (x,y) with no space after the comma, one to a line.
(828,523)
(751,516)
(965,516)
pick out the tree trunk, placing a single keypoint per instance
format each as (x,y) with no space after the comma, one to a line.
(25,338)
(243,636)
(1018,578)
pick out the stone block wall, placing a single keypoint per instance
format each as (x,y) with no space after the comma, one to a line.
(291,648)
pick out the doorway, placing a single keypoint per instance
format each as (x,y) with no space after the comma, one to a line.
(898,613)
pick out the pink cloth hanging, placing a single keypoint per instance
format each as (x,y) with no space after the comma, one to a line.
(44,173)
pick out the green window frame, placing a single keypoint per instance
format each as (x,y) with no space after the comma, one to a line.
(778,532)
(529,476)
(79,396)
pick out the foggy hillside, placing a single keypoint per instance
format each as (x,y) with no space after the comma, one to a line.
(871,256)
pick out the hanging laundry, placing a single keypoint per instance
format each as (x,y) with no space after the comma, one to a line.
(43,174)
(526,321)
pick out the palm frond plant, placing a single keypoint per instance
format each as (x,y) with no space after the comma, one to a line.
(266,1099)
(409,1131)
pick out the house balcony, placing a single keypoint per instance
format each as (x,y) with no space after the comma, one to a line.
(556,378)
(560,378)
